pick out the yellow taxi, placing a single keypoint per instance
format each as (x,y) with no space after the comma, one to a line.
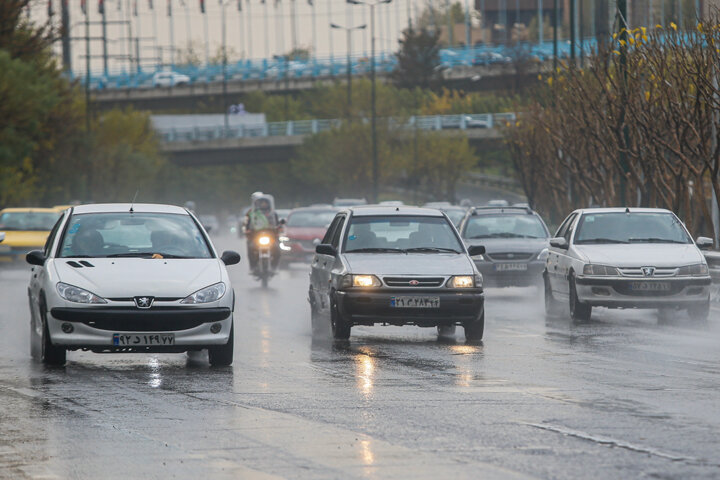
(25,229)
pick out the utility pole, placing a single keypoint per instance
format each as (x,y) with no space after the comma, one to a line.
(87,69)
(572,33)
(555,36)
(349,31)
(224,67)
(104,39)
(65,29)
(373,113)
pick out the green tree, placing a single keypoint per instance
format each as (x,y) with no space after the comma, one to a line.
(418,60)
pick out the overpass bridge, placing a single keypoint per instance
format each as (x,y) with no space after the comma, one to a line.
(277,141)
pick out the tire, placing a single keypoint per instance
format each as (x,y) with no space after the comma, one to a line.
(552,306)
(700,312)
(446,330)
(340,328)
(474,330)
(222,355)
(579,312)
(49,353)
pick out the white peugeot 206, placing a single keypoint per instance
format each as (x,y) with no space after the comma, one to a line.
(130,278)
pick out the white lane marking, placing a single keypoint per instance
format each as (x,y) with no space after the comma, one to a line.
(613,442)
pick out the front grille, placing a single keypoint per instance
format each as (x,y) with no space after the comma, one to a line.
(157,299)
(142,324)
(421,281)
(513,256)
(638,273)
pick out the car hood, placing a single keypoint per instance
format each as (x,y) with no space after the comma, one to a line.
(305,233)
(129,277)
(25,238)
(641,255)
(409,264)
(496,245)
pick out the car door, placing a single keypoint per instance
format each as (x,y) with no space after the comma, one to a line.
(319,272)
(565,259)
(557,256)
(38,274)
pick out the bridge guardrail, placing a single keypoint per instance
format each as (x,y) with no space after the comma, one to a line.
(310,127)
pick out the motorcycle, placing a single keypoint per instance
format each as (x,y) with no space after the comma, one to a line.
(265,243)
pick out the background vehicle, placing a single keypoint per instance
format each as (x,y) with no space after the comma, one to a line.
(304,229)
(169,79)
(130,278)
(454,212)
(515,241)
(25,229)
(498,203)
(397,266)
(210,223)
(626,258)
(348,202)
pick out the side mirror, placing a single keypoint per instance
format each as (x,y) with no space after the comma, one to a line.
(704,243)
(475,250)
(230,258)
(559,242)
(325,249)
(35,257)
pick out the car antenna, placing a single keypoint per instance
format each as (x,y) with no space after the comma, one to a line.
(132,204)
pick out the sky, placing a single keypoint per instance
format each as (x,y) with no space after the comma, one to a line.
(258,31)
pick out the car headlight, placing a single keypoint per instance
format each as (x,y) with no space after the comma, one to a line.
(206,295)
(462,281)
(600,270)
(264,240)
(697,269)
(543,255)
(362,281)
(78,295)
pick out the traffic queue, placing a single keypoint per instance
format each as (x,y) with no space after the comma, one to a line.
(148,278)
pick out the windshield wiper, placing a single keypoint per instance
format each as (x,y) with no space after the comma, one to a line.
(130,255)
(376,250)
(502,235)
(600,240)
(655,240)
(432,249)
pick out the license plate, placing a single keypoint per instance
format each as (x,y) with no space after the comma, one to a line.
(415,302)
(511,267)
(650,287)
(143,339)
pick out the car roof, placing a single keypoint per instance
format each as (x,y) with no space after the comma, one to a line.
(375,210)
(27,210)
(125,207)
(622,210)
(498,210)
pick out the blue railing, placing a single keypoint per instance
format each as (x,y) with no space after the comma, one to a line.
(320,67)
(310,127)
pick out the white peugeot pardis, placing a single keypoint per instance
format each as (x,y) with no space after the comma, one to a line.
(130,278)
(627,258)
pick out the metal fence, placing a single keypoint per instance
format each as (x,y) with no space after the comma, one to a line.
(309,127)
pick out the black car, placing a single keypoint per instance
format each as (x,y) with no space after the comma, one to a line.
(516,242)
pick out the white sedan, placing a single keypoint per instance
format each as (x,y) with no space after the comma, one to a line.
(169,79)
(626,258)
(130,278)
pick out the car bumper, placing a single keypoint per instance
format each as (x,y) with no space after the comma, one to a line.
(369,308)
(94,328)
(620,293)
(492,277)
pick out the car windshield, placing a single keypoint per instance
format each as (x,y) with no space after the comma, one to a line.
(311,219)
(631,227)
(505,226)
(133,235)
(401,234)
(28,221)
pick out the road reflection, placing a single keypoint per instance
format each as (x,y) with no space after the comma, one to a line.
(365,370)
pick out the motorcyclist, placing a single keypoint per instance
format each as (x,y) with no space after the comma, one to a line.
(261,217)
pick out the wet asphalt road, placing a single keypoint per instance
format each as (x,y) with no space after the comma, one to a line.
(620,397)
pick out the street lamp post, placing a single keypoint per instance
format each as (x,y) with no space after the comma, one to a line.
(373,119)
(349,31)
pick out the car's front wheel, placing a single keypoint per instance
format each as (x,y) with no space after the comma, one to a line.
(340,328)
(474,330)
(222,355)
(49,353)
(579,311)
